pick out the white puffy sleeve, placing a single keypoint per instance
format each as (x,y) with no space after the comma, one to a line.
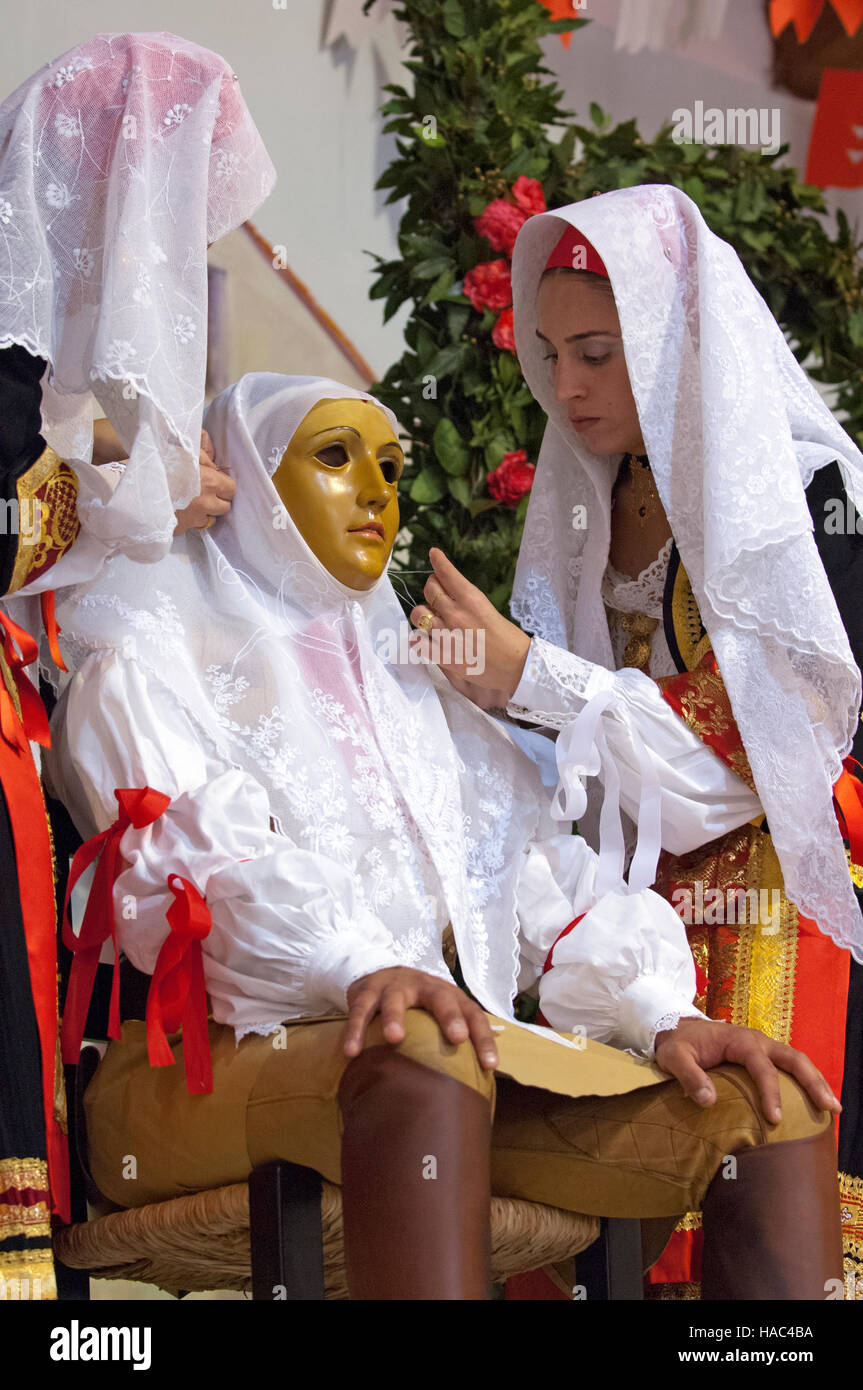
(623,973)
(289,933)
(617,725)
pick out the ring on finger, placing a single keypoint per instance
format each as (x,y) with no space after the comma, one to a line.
(426,622)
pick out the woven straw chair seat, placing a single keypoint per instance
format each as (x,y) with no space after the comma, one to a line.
(201,1242)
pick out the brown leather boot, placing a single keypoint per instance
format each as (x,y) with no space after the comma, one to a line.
(774,1231)
(415,1181)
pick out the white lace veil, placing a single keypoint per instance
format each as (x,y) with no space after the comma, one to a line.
(734,430)
(119,162)
(380,766)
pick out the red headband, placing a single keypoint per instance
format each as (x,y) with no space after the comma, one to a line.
(574,251)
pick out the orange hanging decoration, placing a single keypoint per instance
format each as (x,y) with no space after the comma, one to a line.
(564,9)
(804,15)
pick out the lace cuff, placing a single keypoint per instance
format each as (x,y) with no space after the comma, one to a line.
(555,685)
(649,1006)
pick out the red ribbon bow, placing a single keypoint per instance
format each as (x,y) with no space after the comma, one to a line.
(177,997)
(848,802)
(19,650)
(139,806)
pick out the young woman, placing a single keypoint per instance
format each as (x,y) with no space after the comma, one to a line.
(324,822)
(119,162)
(685,639)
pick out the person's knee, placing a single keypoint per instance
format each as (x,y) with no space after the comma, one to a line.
(423,1044)
(801,1118)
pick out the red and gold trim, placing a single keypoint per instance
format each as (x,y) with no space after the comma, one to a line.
(701,700)
(781,975)
(24,1198)
(47,517)
(851,1195)
(25,1210)
(22,717)
(28,1275)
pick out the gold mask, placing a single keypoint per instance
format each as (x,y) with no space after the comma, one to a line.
(338,479)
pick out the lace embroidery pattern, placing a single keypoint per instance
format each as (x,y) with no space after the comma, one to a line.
(561,675)
(641,595)
(162,626)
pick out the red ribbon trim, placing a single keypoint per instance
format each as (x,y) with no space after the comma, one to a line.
(177,997)
(52,631)
(848,803)
(574,923)
(33,866)
(139,806)
(20,650)
(540,1016)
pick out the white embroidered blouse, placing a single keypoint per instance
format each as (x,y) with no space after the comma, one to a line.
(291,930)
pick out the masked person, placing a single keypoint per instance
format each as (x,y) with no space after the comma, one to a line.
(324,821)
(119,162)
(684,636)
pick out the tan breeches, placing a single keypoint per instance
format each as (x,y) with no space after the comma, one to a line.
(650,1152)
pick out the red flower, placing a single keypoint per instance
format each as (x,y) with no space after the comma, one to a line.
(488,286)
(512,479)
(502,334)
(500,224)
(529,195)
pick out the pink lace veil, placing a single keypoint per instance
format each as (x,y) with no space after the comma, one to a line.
(119,162)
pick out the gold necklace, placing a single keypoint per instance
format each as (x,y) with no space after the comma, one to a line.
(636,468)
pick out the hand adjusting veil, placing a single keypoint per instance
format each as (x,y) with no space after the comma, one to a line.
(412,793)
(734,431)
(119,162)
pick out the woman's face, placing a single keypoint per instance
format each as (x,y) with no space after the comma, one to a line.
(338,479)
(579,331)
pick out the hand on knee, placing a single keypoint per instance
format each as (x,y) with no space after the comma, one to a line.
(696,1044)
(393,990)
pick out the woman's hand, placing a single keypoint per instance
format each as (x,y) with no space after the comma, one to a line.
(391,991)
(697,1043)
(217,489)
(214,499)
(488,666)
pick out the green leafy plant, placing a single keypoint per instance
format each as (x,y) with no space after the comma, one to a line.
(483,124)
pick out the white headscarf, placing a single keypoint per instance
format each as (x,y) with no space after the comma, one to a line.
(734,431)
(380,766)
(119,162)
